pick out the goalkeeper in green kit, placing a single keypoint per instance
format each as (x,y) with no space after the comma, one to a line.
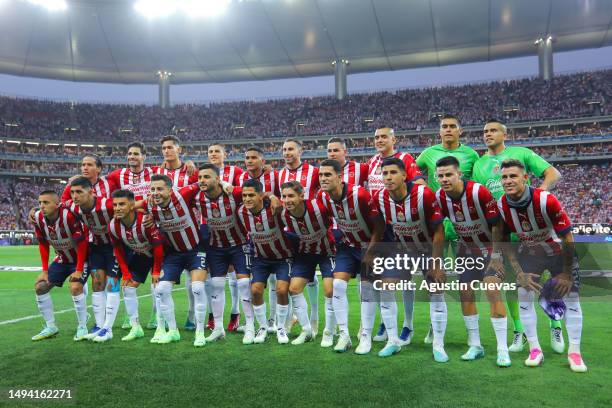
(487,172)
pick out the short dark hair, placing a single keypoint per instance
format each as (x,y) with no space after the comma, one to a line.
(297,142)
(394,161)
(162,177)
(337,140)
(80,182)
(139,145)
(95,157)
(448,161)
(209,166)
(253,183)
(255,149)
(221,145)
(494,120)
(123,193)
(334,164)
(294,185)
(450,116)
(173,138)
(506,164)
(48,192)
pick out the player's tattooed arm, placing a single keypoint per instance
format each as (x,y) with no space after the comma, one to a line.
(551,178)
(190,167)
(275,204)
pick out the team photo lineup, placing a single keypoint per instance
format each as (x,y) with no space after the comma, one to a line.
(254,227)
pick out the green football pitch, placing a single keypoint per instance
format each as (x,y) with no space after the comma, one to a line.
(226,373)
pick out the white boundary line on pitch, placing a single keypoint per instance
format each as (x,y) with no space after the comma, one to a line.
(21,319)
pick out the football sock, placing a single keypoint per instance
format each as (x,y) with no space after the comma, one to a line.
(166,303)
(438,314)
(244,288)
(388,313)
(368,307)
(313,297)
(80,306)
(471,324)
(513,311)
(260,315)
(300,307)
(131,304)
(154,305)
(233,289)
(272,295)
(529,317)
(113,300)
(218,300)
(281,315)
(500,326)
(408,300)
(45,306)
(198,289)
(330,316)
(340,304)
(190,300)
(573,322)
(98,303)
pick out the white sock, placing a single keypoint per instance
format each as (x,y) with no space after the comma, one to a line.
(281,314)
(86,289)
(190,299)
(98,302)
(313,297)
(113,300)
(209,292)
(471,324)
(408,300)
(218,300)
(388,313)
(45,306)
(368,308)
(300,307)
(233,288)
(80,306)
(272,295)
(573,322)
(330,316)
(154,305)
(166,303)
(439,315)
(198,289)
(157,308)
(529,318)
(244,288)
(500,326)
(131,304)
(340,304)
(260,315)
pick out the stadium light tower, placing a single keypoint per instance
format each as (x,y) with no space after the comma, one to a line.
(340,66)
(545,57)
(164,88)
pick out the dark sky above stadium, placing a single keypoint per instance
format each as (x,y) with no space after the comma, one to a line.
(454,74)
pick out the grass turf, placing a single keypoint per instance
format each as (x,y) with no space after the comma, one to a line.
(227,373)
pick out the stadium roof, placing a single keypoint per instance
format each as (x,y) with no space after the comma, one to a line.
(109,41)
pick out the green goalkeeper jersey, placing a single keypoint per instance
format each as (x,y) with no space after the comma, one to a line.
(487,169)
(428,158)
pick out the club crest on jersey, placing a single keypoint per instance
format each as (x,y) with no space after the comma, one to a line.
(52,234)
(378,170)
(526,225)
(496,169)
(216,213)
(303,229)
(167,212)
(259,226)
(401,217)
(341,214)
(130,240)
(459,216)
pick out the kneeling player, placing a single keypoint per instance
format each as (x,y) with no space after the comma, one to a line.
(473,212)
(544,230)
(57,226)
(311,222)
(138,249)
(272,255)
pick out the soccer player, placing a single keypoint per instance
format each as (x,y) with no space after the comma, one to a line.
(174,213)
(55,225)
(350,206)
(544,230)
(91,168)
(228,246)
(487,171)
(96,213)
(416,221)
(136,177)
(474,214)
(272,255)
(138,249)
(352,172)
(311,222)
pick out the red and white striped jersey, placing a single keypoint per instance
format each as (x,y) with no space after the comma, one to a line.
(312,228)
(231,174)
(411,218)
(355,173)
(375,178)
(540,224)
(306,174)
(352,214)
(137,237)
(220,215)
(472,215)
(179,176)
(268,180)
(102,188)
(96,219)
(266,232)
(63,234)
(179,220)
(137,183)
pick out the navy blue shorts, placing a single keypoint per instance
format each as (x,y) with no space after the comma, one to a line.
(305,265)
(102,257)
(58,272)
(475,268)
(204,244)
(220,259)
(263,268)
(139,265)
(348,259)
(554,264)
(175,262)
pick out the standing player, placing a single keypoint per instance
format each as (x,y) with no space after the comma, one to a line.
(55,225)
(273,255)
(91,167)
(487,171)
(416,220)
(547,243)
(474,214)
(353,173)
(311,222)
(96,213)
(136,177)
(138,249)
(350,206)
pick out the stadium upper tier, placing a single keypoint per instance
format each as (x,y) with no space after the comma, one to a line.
(568,96)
